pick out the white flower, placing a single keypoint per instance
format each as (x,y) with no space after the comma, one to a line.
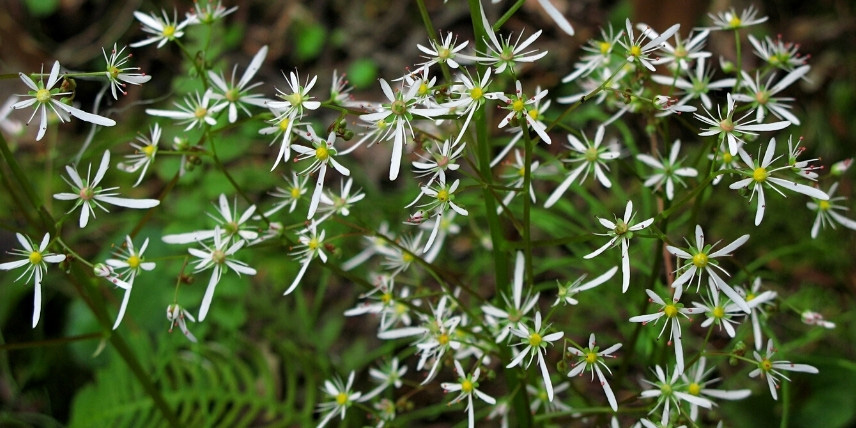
(539,398)
(400,257)
(557,17)
(340,91)
(671,311)
(437,162)
(471,97)
(377,244)
(396,116)
(388,375)
(89,195)
(761,96)
(697,386)
(591,358)
(536,342)
(340,204)
(732,130)
(290,195)
(777,53)
(721,314)
(228,224)
(828,212)
(697,84)
(684,51)
(443,199)
(131,261)
(312,244)
(667,171)
(36,260)
(144,154)
(322,154)
(621,229)
(175,314)
(760,175)
(289,111)
(591,158)
(668,392)
(116,73)
(162,30)
(341,398)
(502,53)
(44,96)
(756,301)
(208,11)
(773,369)
(196,110)
(637,52)
(597,57)
(516,176)
(219,257)
(814,318)
(237,95)
(385,301)
(467,384)
(700,260)
(731,20)
(527,110)
(442,51)
(516,308)
(567,292)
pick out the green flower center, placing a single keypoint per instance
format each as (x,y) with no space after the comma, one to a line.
(295,99)
(35,257)
(666,390)
(590,154)
(700,260)
(621,227)
(114,72)
(218,256)
(398,107)
(681,52)
(762,97)
(134,261)
(443,54)
(766,365)
(760,174)
(43,95)
(86,193)
(232,95)
(200,112)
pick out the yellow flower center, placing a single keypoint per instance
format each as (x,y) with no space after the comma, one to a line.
(750,296)
(295,192)
(443,54)
(169,31)
(766,365)
(407,258)
(535,339)
(133,261)
(114,72)
(295,99)
(423,88)
(719,312)
(670,310)
(232,95)
(823,205)
(517,105)
(522,171)
(443,339)
(283,124)
(35,257)
(313,244)
(533,114)
(636,51)
(149,150)
(43,95)
(341,398)
(680,52)
(467,386)
(591,357)
(604,47)
(218,256)
(200,112)
(476,93)
(734,22)
(443,195)
(762,97)
(401,309)
(321,153)
(726,157)
(760,174)
(700,260)
(694,389)
(590,154)
(386,298)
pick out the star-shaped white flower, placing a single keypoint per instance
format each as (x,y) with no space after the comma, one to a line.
(621,229)
(36,260)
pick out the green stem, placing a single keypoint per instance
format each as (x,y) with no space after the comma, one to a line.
(507,15)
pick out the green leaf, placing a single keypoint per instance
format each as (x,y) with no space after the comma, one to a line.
(362,73)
